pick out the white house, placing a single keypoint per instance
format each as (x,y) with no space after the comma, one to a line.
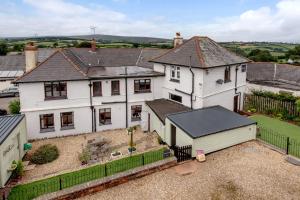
(86,90)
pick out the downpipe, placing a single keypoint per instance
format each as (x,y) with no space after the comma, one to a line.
(193,77)
(235,87)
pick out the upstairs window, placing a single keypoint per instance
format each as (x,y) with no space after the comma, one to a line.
(175,73)
(97,89)
(115,87)
(67,120)
(142,86)
(175,97)
(47,122)
(55,90)
(227,75)
(136,113)
(105,116)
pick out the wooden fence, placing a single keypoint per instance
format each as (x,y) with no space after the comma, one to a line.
(265,104)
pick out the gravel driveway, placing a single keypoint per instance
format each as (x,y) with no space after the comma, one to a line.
(246,171)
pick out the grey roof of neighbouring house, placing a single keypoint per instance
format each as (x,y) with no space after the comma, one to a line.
(200,52)
(275,75)
(12,63)
(163,107)
(207,121)
(82,63)
(8,124)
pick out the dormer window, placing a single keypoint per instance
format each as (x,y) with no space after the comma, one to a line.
(227,75)
(175,73)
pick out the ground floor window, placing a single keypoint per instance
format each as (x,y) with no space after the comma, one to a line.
(105,116)
(175,98)
(136,112)
(67,120)
(47,122)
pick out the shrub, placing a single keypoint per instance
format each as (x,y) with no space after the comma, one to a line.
(14,107)
(19,171)
(85,156)
(45,154)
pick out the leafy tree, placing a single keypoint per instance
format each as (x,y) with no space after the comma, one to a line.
(258,55)
(55,44)
(14,107)
(18,47)
(84,44)
(3,48)
(135,45)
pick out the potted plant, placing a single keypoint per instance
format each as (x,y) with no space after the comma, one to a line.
(17,169)
(115,154)
(130,132)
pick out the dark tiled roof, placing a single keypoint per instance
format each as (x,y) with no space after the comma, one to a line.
(275,75)
(44,53)
(57,67)
(201,52)
(207,121)
(12,63)
(8,124)
(164,107)
(104,63)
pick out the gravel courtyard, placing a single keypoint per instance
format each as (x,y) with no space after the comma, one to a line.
(246,171)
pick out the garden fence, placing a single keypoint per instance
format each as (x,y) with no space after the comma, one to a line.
(53,184)
(266,104)
(285,143)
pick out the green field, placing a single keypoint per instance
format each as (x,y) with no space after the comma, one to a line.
(278,126)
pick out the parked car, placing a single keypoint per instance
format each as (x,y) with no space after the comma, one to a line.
(9,92)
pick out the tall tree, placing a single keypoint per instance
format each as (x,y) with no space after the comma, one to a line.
(3,48)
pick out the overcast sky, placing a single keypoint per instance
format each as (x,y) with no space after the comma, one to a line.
(222,20)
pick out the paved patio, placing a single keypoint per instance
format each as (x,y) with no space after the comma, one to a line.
(70,147)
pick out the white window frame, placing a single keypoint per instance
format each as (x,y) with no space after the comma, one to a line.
(176,71)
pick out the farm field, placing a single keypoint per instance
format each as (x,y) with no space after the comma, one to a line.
(281,127)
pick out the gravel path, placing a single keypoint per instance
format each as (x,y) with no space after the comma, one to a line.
(246,171)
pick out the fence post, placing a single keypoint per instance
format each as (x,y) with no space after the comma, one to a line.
(60,184)
(287,145)
(105,170)
(143,159)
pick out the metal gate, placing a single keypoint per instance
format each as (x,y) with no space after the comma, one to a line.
(182,153)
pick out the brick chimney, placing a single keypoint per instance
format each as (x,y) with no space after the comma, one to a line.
(31,56)
(178,40)
(93,45)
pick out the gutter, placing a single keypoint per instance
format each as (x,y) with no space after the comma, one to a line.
(193,77)
(91,106)
(126,98)
(235,87)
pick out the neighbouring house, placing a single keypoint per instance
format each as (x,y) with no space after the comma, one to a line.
(13,136)
(87,90)
(273,77)
(13,66)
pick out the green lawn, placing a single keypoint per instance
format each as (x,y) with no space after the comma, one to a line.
(278,126)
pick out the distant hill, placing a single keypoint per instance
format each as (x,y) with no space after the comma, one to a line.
(99,37)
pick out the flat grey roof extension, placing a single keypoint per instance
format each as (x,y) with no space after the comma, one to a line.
(207,121)
(8,124)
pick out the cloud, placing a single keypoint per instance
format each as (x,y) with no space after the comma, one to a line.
(62,17)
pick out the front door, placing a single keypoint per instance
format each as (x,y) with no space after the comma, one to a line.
(235,103)
(173,135)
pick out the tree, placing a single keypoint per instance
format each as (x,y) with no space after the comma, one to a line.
(258,55)
(294,54)
(130,132)
(14,107)
(3,48)
(55,44)
(18,47)
(84,44)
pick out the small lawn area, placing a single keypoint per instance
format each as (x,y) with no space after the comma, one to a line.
(278,126)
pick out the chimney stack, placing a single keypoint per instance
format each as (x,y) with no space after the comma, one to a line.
(31,57)
(178,40)
(93,45)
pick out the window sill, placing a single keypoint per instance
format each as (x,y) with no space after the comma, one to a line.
(46,130)
(175,80)
(105,124)
(141,92)
(54,98)
(67,128)
(136,120)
